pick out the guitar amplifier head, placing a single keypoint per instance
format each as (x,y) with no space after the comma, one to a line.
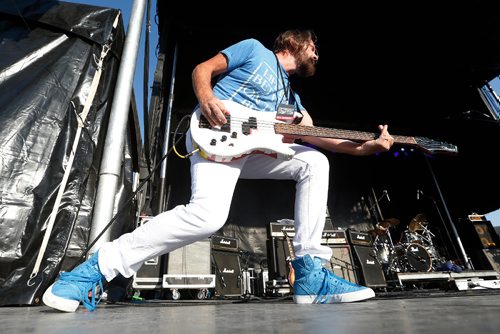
(360,238)
(225,243)
(334,237)
(276,230)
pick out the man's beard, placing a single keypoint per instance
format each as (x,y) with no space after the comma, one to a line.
(305,67)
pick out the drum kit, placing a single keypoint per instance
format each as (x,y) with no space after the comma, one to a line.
(415,250)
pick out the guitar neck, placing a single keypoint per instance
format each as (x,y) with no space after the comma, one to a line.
(302,130)
(289,243)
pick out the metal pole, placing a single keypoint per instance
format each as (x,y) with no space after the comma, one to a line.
(166,137)
(113,147)
(464,254)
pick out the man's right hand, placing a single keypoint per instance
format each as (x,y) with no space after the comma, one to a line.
(214,111)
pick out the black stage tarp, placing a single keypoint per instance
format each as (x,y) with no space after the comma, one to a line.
(48,59)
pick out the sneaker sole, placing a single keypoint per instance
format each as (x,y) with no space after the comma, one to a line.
(58,303)
(342,298)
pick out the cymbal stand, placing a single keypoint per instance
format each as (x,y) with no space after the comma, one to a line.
(427,235)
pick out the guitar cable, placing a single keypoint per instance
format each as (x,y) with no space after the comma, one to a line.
(175,134)
(134,193)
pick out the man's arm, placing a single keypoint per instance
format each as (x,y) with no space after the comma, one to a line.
(382,144)
(211,107)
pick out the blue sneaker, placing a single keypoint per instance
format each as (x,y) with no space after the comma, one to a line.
(315,284)
(74,287)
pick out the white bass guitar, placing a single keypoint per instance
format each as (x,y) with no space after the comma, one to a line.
(248,132)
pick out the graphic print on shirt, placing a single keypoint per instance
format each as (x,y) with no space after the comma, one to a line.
(262,83)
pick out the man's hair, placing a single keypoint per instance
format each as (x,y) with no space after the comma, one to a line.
(294,41)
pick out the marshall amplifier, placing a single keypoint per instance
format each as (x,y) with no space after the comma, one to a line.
(228,280)
(341,262)
(369,270)
(276,230)
(278,249)
(360,238)
(227,268)
(334,237)
(225,243)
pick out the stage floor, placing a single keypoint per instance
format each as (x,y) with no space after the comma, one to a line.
(474,311)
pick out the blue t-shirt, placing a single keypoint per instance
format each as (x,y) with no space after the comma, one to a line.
(252,78)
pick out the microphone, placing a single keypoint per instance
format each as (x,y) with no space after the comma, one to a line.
(387,194)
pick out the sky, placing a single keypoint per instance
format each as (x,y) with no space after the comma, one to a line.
(125,6)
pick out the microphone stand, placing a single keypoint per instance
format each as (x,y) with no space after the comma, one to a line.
(467,261)
(392,257)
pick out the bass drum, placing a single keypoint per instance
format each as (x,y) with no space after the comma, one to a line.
(417,258)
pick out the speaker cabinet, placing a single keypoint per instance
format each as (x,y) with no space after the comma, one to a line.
(478,234)
(486,234)
(342,264)
(278,252)
(493,257)
(369,271)
(228,273)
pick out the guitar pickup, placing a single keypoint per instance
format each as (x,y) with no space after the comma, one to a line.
(246,127)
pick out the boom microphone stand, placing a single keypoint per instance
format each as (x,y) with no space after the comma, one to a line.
(466,259)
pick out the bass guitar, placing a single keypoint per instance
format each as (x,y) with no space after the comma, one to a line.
(248,132)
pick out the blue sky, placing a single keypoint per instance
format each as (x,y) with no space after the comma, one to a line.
(125,6)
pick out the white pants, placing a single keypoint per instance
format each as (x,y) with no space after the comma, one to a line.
(212,188)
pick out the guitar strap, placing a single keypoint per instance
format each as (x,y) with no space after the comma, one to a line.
(285,111)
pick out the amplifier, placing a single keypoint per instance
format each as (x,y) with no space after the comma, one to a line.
(276,230)
(228,273)
(370,271)
(360,238)
(342,263)
(328,237)
(334,237)
(223,243)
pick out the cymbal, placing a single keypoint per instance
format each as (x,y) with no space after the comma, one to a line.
(378,231)
(389,222)
(417,223)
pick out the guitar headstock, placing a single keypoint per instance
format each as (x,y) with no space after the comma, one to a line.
(434,146)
